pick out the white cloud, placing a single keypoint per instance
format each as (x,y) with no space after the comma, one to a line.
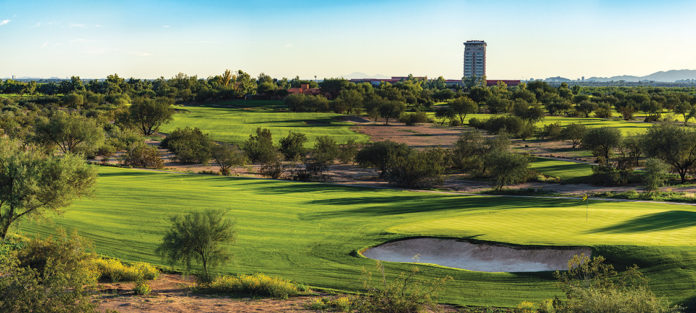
(4,22)
(140,53)
(44,45)
(166,26)
(37,25)
(75,25)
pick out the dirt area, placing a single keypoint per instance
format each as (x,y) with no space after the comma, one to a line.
(417,136)
(480,257)
(171,293)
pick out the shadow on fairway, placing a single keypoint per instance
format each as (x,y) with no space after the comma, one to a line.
(129,173)
(669,220)
(429,203)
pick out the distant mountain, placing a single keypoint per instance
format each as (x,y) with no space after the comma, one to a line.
(662,76)
(557,79)
(356,75)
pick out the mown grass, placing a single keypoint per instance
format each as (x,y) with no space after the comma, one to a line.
(235,121)
(309,232)
(567,171)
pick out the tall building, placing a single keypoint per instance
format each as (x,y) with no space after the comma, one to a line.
(475,58)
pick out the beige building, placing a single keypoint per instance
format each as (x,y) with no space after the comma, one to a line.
(475,58)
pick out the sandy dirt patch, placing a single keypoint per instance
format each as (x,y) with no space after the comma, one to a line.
(171,293)
(475,256)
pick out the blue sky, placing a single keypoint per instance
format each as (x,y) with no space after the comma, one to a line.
(526,39)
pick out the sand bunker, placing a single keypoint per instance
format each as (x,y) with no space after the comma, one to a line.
(475,256)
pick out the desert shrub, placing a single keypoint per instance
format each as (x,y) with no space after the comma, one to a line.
(325,149)
(603,110)
(273,169)
(507,168)
(142,287)
(655,174)
(52,275)
(378,154)
(190,145)
(256,285)
(259,148)
(113,270)
(414,118)
(142,155)
(292,146)
(602,142)
(347,151)
(198,236)
(405,293)
(605,175)
(418,169)
(307,103)
(552,131)
(590,285)
(574,133)
(340,304)
(226,156)
(512,125)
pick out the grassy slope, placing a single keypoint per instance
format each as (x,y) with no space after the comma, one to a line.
(565,170)
(307,231)
(235,124)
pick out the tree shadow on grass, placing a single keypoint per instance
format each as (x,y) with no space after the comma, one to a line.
(669,220)
(428,203)
(129,173)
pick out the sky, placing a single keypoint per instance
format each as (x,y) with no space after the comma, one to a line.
(334,38)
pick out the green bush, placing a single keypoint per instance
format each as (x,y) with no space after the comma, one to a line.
(552,131)
(142,287)
(406,293)
(414,118)
(418,169)
(512,125)
(507,168)
(292,146)
(256,285)
(591,285)
(226,156)
(340,304)
(52,275)
(348,151)
(190,145)
(259,148)
(378,154)
(113,270)
(142,155)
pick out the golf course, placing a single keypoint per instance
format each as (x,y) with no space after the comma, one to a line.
(310,232)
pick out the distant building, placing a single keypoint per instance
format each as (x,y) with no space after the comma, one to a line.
(304,90)
(451,83)
(475,58)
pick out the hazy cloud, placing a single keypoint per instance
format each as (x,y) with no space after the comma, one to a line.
(166,26)
(140,53)
(4,22)
(75,25)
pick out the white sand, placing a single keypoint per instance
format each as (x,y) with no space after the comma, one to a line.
(475,257)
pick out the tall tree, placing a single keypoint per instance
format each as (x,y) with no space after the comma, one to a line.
(672,144)
(200,237)
(32,184)
(149,114)
(462,106)
(70,132)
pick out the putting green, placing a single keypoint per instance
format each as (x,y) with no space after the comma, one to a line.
(307,231)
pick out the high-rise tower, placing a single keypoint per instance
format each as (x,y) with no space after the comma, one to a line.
(475,58)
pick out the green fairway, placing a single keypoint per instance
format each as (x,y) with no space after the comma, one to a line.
(308,231)
(565,170)
(235,123)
